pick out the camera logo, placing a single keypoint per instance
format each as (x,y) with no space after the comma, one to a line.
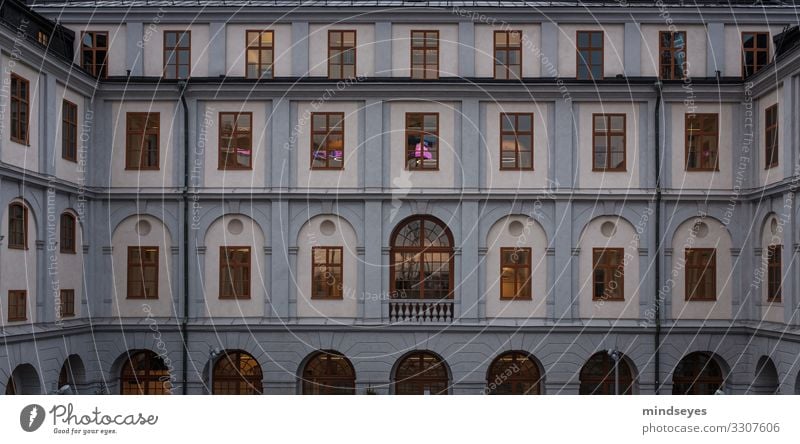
(31,417)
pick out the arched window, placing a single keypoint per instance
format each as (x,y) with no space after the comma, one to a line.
(237,373)
(17,226)
(422,260)
(144,373)
(329,373)
(598,376)
(421,373)
(67,233)
(11,389)
(697,374)
(513,373)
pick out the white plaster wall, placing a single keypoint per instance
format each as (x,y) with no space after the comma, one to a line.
(18,267)
(70,266)
(255,178)
(164,176)
(318,48)
(401,48)
(733,45)
(154,48)
(310,236)
(696,42)
(23,156)
(703,180)
(218,236)
(774,174)
(613,44)
(74,172)
(125,236)
(624,237)
(329,179)
(771,311)
(532,237)
(449,163)
(484,49)
(499,179)
(608,179)
(117,41)
(718,238)
(236,42)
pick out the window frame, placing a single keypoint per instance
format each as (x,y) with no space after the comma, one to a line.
(94,69)
(221,164)
(422,133)
(66,303)
(327,131)
(140,266)
(516,133)
(700,133)
(11,235)
(259,48)
(68,235)
(69,139)
(328,295)
(771,132)
(774,273)
(524,292)
(609,273)
(755,50)
(673,50)
(225,266)
(690,296)
(22,102)
(579,59)
(128,133)
(168,50)
(608,134)
(508,49)
(341,50)
(421,250)
(18,310)
(425,70)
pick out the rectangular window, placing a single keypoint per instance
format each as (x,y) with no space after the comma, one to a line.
(516,141)
(67,303)
(177,54)
(17,305)
(142,140)
(42,38)
(422,141)
(17,226)
(20,109)
(755,52)
(702,142)
(590,55)
(771,136)
(424,54)
(672,54)
(142,272)
(234,272)
(701,274)
(326,273)
(608,142)
(327,141)
(94,52)
(67,233)
(235,141)
(515,273)
(69,131)
(609,274)
(774,273)
(260,53)
(341,54)
(507,55)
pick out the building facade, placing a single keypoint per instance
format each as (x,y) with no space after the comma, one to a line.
(388,197)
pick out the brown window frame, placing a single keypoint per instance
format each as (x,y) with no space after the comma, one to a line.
(591,49)
(129,165)
(508,49)
(144,373)
(608,133)
(421,251)
(774,273)
(600,262)
(176,67)
(523,290)
(267,70)
(422,71)
(12,235)
(140,266)
(19,102)
(771,137)
(69,131)
(226,265)
(223,162)
(421,133)
(326,132)
(699,133)
(673,52)
(17,305)
(66,303)
(341,49)
(516,134)
(99,70)
(42,38)
(690,264)
(331,291)
(755,50)
(68,237)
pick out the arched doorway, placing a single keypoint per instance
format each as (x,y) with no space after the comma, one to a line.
(328,373)
(237,373)
(698,373)
(598,376)
(71,375)
(766,378)
(145,373)
(513,373)
(24,380)
(421,373)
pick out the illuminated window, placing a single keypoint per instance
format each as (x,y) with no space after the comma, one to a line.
(515,273)
(508,55)
(771,136)
(590,55)
(422,260)
(142,272)
(260,53)
(145,373)
(421,373)
(327,141)
(424,54)
(516,141)
(702,142)
(422,141)
(66,303)
(142,141)
(701,274)
(234,272)
(341,54)
(69,131)
(17,226)
(326,273)
(608,274)
(235,141)
(237,373)
(177,54)
(17,305)
(329,373)
(20,109)
(513,373)
(608,142)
